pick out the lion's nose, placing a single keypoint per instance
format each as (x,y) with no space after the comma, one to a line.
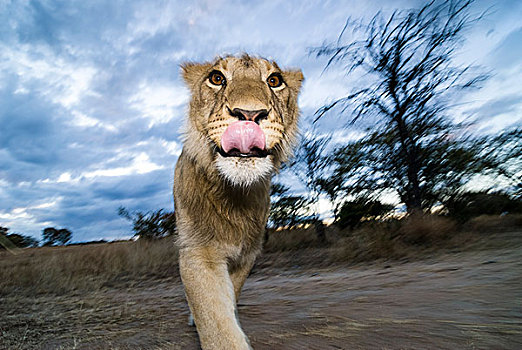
(243,114)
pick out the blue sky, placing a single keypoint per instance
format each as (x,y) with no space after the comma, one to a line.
(91,101)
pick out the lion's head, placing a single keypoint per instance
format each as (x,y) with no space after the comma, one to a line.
(243,116)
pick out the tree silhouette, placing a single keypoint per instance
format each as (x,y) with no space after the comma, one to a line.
(412,148)
(287,210)
(506,149)
(53,236)
(309,164)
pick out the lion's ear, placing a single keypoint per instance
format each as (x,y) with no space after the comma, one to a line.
(294,78)
(194,72)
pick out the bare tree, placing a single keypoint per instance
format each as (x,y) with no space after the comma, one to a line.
(413,147)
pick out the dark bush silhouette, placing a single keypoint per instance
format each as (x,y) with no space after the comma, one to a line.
(467,205)
(351,213)
(152,224)
(13,240)
(22,241)
(309,165)
(53,236)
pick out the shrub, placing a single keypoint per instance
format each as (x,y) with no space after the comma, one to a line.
(22,241)
(15,240)
(150,225)
(351,213)
(53,236)
(465,206)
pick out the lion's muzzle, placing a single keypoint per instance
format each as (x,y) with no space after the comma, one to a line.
(244,139)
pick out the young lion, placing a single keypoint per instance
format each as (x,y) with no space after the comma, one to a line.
(242,124)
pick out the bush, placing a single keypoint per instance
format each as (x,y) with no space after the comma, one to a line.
(288,211)
(53,236)
(465,206)
(15,240)
(150,225)
(22,241)
(351,213)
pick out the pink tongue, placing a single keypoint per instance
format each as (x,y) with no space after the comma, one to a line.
(243,135)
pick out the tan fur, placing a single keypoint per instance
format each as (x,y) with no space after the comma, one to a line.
(222,203)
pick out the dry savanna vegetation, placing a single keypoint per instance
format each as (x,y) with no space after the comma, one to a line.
(60,270)
(127,295)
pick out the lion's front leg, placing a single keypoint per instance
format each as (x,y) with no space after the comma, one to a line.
(240,274)
(211,298)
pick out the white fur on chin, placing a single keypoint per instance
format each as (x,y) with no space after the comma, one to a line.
(244,171)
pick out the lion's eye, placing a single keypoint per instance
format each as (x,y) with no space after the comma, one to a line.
(216,78)
(275,80)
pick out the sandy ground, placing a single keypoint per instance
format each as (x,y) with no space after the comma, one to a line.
(466,300)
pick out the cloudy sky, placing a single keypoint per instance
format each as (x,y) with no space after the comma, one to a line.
(91,101)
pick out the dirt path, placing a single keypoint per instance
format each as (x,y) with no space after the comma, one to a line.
(470,300)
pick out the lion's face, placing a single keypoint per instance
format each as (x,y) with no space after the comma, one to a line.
(244,110)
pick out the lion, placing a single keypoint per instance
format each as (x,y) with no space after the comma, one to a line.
(242,124)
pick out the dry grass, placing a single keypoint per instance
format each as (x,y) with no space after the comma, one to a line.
(494,223)
(378,240)
(371,242)
(61,270)
(411,238)
(426,229)
(65,269)
(288,240)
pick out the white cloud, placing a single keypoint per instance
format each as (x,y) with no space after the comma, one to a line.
(172,147)
(36,66)
(158,102)
(141,164)
(320,89)
(81,120)
(24,219)
(65,177)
